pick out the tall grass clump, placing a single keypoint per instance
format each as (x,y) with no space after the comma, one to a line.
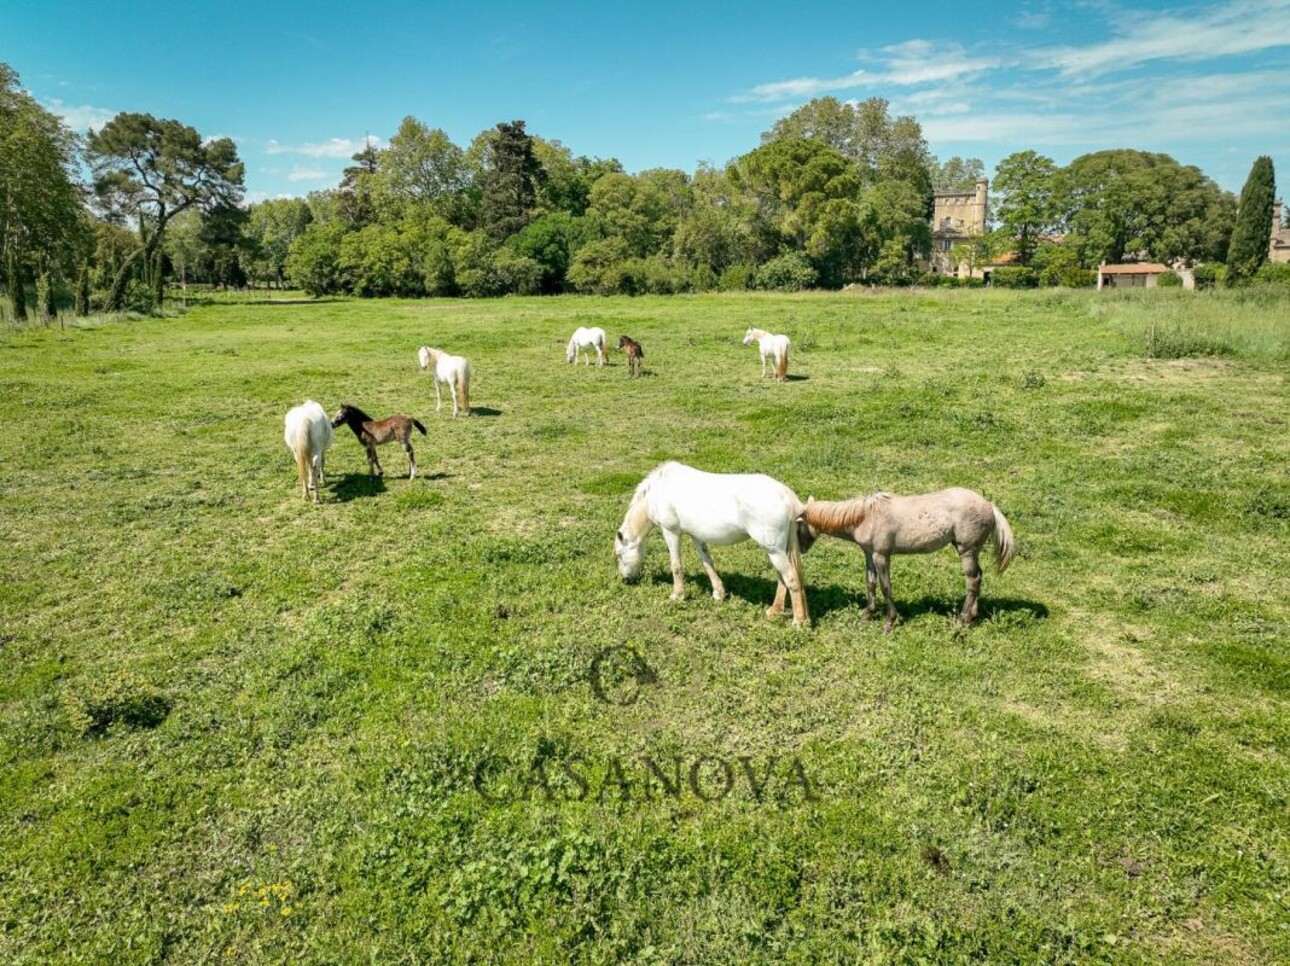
(1250,323)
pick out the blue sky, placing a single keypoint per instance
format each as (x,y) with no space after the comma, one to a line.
(299,84)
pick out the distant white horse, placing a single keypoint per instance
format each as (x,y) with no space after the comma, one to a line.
(720,509)
(308,434)
(586,339)
(452,370)
(773,346)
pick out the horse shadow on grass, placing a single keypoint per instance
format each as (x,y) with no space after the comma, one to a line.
(483,411)
(355,486)
(760,591)
(794,377)
(824,599)
(988,608)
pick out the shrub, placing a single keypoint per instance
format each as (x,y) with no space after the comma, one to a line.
(935,280)
(738,278)
(1209,276)
(1011,276)
(600,268)
(1169,280)
(1274,273)
(1079,278)
(790,272)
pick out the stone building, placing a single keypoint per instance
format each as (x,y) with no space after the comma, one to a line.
(1279,246)
(957,216)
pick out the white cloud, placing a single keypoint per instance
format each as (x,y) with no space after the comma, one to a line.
(331,148)
(908,64)
(1191,34)
(306,174)
(80,117)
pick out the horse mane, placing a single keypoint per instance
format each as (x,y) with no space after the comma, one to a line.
(355,414)
(838,516)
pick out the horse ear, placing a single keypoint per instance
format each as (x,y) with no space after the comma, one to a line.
(810,500)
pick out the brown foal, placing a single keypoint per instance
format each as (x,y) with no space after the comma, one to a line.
(373,432)
(635,354)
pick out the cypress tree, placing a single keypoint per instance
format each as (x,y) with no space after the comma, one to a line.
(1248,249)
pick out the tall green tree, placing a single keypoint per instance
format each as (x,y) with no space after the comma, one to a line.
(1025,185)
(150,170)
(956,174)
(43,226)
(1123,203)
(509,181)
(423,167)
(270,229)
(1252,233)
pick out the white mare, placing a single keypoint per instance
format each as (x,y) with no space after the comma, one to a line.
(454,371)
(773,347)
(308,434)
(717,509)
(586,339)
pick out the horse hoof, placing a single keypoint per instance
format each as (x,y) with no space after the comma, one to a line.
(718,595)
(677,597)
(886,628)
(772,613)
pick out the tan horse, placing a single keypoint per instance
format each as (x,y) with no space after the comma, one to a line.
(884,525)
(373,432)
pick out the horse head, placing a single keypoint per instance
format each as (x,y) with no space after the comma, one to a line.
(629,556)
(347,414)
(749,336)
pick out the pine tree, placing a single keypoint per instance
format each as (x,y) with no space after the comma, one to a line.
(509,182)
(1248,249)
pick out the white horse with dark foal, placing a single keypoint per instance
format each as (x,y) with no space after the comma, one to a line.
(717,509)
(593,338)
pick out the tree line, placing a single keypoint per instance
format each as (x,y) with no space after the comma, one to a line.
(835,193)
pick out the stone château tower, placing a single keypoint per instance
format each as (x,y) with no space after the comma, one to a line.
(956,217)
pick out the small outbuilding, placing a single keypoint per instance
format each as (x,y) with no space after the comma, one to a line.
(1133,275)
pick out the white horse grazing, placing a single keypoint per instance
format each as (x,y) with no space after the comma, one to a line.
(586,339)
(720,509)
(308,434)
(774,346)
(452,370)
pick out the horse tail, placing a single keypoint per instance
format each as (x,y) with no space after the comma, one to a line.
(417,424)
(640,353)
(781,364)
(1005,545)
(463,384)
(300,449)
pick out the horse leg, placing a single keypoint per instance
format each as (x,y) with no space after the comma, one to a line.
(438,401)
(412,460)
(871,587)
(718,588)
(763,365)
(789,578)
(972,578)
(673,541)
(373,464)
(883,564)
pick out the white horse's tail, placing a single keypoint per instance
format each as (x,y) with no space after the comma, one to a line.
(300,449)
(781,363)
(463,386)
(1005,546)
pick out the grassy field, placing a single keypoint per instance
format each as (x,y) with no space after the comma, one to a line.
(238,727)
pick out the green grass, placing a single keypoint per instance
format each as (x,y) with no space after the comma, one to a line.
(237,726)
